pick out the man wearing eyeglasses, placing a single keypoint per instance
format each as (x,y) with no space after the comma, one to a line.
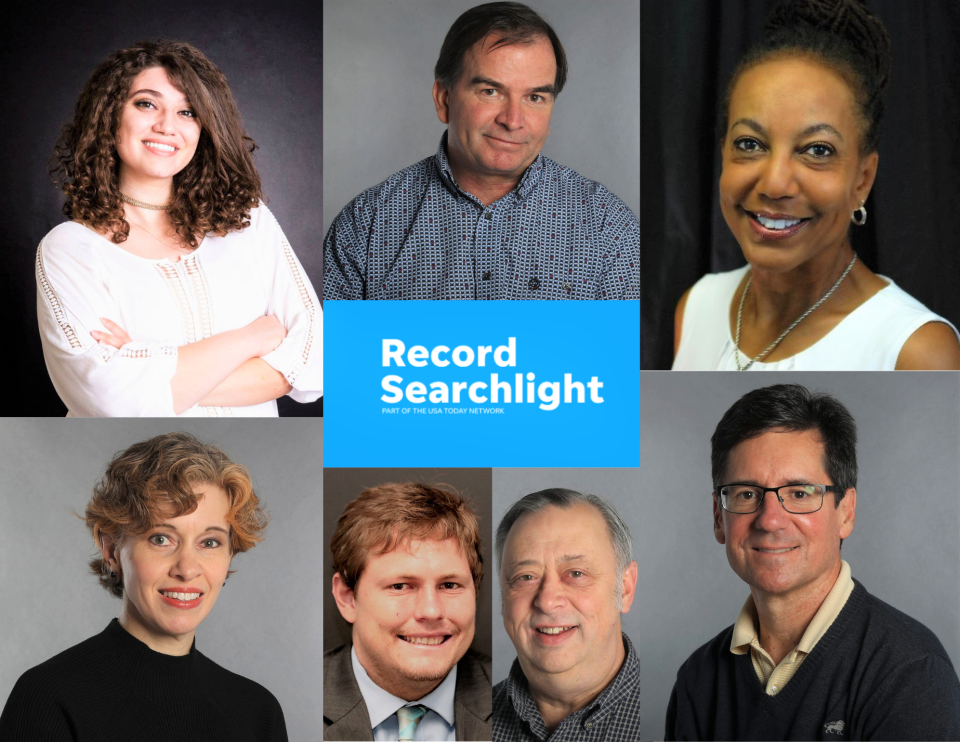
(812,654)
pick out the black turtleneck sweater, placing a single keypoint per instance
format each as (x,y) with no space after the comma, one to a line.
(114,687)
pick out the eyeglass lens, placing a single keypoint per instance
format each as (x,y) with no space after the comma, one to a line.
(799,498)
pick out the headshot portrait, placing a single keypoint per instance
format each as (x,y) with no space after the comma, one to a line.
(776,182)
(164,284)
(565,663)
(407,637)
(801,579)
(482,151)
(160,580)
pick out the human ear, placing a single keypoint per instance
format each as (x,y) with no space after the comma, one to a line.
(866,175)
(718,533)
(110,551)
(629,587)
(848,512)
(346,599)
(441,99)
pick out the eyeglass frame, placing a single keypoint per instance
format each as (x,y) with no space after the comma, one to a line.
(776,490)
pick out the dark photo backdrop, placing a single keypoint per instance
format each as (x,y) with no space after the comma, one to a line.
(689,48)
(271,54)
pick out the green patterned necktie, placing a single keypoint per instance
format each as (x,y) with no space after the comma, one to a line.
(409,717)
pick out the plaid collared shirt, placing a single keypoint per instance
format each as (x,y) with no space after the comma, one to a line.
(417,235)
(613,716)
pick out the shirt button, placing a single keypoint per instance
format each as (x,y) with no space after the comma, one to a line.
(486,275)
(534,284)
(773,690)
(589,725)
(488,216)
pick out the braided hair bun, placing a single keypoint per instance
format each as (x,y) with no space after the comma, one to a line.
(845,36)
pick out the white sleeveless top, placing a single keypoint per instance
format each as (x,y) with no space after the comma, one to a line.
(868,339)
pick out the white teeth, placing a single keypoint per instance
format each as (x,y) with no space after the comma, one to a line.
(424,639)
(161,147)
(554,629)
(182,596)
(777,223)
(776,551)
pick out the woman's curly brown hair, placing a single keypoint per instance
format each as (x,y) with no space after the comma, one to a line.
(213,193)
(153,480)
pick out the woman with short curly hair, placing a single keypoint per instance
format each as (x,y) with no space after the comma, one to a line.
(167,518)
(172,289)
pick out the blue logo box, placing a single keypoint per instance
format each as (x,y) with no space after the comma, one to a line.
(516,383)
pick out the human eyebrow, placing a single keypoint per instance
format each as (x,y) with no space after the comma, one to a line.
(817,128)
(548,89)
(171,527)
(750,124)
(480,80)
(155,94)
(523,563)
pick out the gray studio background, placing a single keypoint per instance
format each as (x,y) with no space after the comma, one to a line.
(904,548)
(342,486)
(271,54)
(618,486)
(378,76)
(266,624)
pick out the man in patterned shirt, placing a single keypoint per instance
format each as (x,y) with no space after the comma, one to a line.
(566,574)
(488,216)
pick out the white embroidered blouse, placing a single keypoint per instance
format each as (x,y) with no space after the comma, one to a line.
(225,284)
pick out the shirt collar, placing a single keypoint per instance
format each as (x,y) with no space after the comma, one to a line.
(531,177)
(626,681)
(746,628)
(381,705)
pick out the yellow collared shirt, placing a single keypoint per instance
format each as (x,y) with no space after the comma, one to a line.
(746,635)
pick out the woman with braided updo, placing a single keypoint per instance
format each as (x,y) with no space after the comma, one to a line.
(172,290)
(800,128)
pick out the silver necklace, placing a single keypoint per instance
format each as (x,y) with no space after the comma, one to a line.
(141,204)
(796,322)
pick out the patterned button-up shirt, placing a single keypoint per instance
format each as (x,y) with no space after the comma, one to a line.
(613,716)
(418,235)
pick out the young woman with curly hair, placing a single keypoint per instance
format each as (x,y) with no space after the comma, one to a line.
(167,518)
(172,289)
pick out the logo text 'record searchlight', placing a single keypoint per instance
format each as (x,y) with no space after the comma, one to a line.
(523,389)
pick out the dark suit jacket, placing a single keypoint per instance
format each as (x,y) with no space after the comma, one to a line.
(345,715)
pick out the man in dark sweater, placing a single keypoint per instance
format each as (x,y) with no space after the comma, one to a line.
(812,654)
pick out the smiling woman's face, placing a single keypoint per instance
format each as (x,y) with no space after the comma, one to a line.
(172,574)
(159,129)
(792,168)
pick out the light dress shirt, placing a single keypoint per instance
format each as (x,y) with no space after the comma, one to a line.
(746,635)
(435,726)
(418,235)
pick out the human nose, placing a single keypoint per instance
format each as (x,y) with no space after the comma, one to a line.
(187,565)
(771,516)
(429,606)
(550,596)
(511,114)
(777,179)
(165,122)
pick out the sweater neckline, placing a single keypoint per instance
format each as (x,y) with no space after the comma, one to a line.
(796,686)
(137,656)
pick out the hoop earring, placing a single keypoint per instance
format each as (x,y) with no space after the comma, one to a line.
(859,216)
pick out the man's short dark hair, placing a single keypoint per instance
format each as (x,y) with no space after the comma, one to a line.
(515,23)
(792,408)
